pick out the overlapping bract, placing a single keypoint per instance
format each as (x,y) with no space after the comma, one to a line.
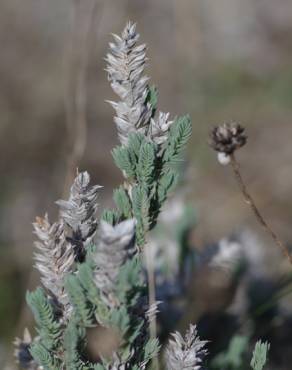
(78,212)
(159,128)
(62,243)
(115,246)
(185,353)
(126,63)
(55,257)
(136,109)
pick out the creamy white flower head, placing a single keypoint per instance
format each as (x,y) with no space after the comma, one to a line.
(185,353)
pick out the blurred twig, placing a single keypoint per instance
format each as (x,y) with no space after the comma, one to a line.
(83,16)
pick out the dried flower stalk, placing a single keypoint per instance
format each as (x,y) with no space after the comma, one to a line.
(226,139)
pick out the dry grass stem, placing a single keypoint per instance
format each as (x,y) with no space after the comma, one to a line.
(249,200)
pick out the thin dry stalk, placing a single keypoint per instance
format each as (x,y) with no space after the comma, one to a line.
(83,19)
(249,200)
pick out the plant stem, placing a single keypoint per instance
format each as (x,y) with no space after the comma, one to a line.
(152,298)
(249,200)
(84,16)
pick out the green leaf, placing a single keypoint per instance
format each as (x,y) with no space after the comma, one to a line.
(134,144)
(151,349)
(146,164)
(260,354)
(152,98)
(120,319)
(166,183)
(78,299)
(110,216)
(123,202)
(141,207)
(129,282)
(179,135)
(98,367)
(44,357)
(233,357)
(74,343)
(85,276)
(124,161)
(48,326)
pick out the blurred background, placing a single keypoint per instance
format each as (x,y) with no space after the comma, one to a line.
(216,60)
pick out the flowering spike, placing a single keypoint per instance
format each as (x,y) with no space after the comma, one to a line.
(125,67)
(55,257)
(79,213)
(185,353)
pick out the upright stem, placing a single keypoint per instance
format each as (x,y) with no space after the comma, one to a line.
(249,200)
(152,298)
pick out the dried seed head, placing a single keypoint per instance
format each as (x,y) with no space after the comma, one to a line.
(227,138)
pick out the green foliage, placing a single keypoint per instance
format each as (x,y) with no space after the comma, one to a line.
(134,144)
(86,280)
(151,349)
(120,320)
(179,135)
(44,357)
(123,202)
(130,283)
(74,343)
(141,206)
(152,98)
(151,173)
(78,299)
(110,216)
(260,354)
(98,367)
(166,183)
(124,161)
(146,164)
(94,305)
(233,357)
(130,287)
(48,327)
